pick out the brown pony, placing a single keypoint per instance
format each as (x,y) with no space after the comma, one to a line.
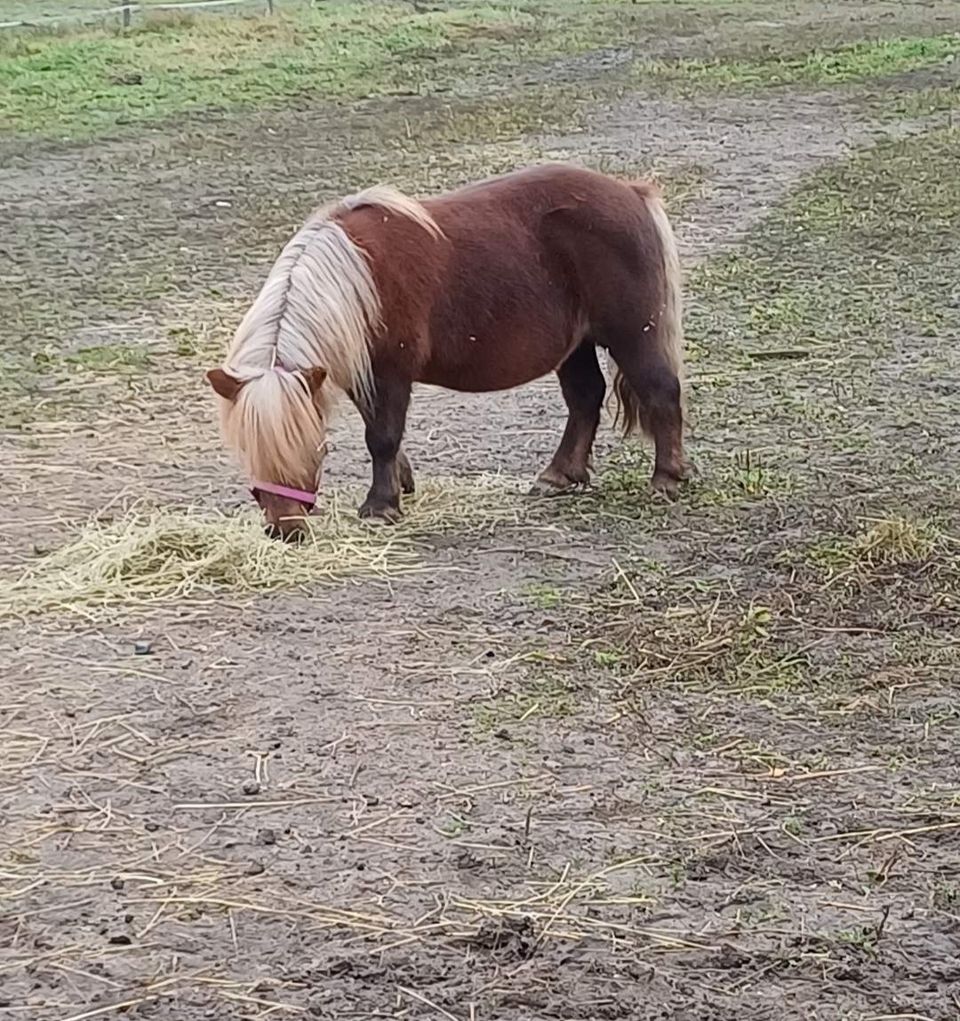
(484,288)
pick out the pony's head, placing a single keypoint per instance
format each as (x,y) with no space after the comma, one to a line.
(276,423)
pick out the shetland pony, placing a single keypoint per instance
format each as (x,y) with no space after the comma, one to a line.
(484,288)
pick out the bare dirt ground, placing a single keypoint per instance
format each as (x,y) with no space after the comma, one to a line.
(611,760)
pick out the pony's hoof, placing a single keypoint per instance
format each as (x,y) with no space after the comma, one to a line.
(553,482)
(665,485)
(383,513)
(550,487)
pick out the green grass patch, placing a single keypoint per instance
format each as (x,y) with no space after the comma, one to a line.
(95,79)
(857,61)
(865,248)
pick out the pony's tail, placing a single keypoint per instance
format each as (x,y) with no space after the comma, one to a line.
(664,340)
(629,416)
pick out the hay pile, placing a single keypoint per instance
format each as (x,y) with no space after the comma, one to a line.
(160,553)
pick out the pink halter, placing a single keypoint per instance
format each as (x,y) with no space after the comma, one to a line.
(309,500)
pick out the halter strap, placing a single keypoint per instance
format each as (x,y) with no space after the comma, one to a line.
(300,495)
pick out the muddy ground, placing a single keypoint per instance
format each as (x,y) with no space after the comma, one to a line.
(612,759)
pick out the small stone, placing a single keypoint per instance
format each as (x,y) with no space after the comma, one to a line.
(267,837)
(251,787)
(142,648)
(151,827)
(255,868)
(467,860)
(120,940)
(502,733)
(117,883)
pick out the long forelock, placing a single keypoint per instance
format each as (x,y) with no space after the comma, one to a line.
(277,429)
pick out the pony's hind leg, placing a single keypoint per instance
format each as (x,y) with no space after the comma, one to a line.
(650,396)
(384,432)
(583,389)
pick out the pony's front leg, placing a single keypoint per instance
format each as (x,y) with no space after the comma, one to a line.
(384,433)
(405,474)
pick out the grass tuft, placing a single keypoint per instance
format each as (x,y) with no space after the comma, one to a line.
(882,543)
(873,58)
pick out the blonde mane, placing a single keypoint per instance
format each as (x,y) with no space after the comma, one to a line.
(319,308)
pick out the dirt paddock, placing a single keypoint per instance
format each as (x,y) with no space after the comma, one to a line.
(602,757)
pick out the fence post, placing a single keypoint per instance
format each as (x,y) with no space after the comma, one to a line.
(269,6)
(124,12)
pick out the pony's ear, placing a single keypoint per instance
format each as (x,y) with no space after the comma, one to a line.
(225,385)
(314,379)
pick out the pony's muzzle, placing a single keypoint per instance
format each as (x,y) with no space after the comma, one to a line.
(291,530)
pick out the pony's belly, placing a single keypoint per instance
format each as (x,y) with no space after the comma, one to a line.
(476,364)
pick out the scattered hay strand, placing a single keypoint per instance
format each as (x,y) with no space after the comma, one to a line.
(162,553)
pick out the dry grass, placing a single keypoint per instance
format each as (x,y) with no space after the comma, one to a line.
(889,542)
(162,553)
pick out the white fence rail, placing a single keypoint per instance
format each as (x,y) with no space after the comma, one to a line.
(125,12)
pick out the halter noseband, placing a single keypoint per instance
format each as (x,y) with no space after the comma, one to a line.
(309,500)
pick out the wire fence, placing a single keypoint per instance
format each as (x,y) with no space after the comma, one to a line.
(122,12)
